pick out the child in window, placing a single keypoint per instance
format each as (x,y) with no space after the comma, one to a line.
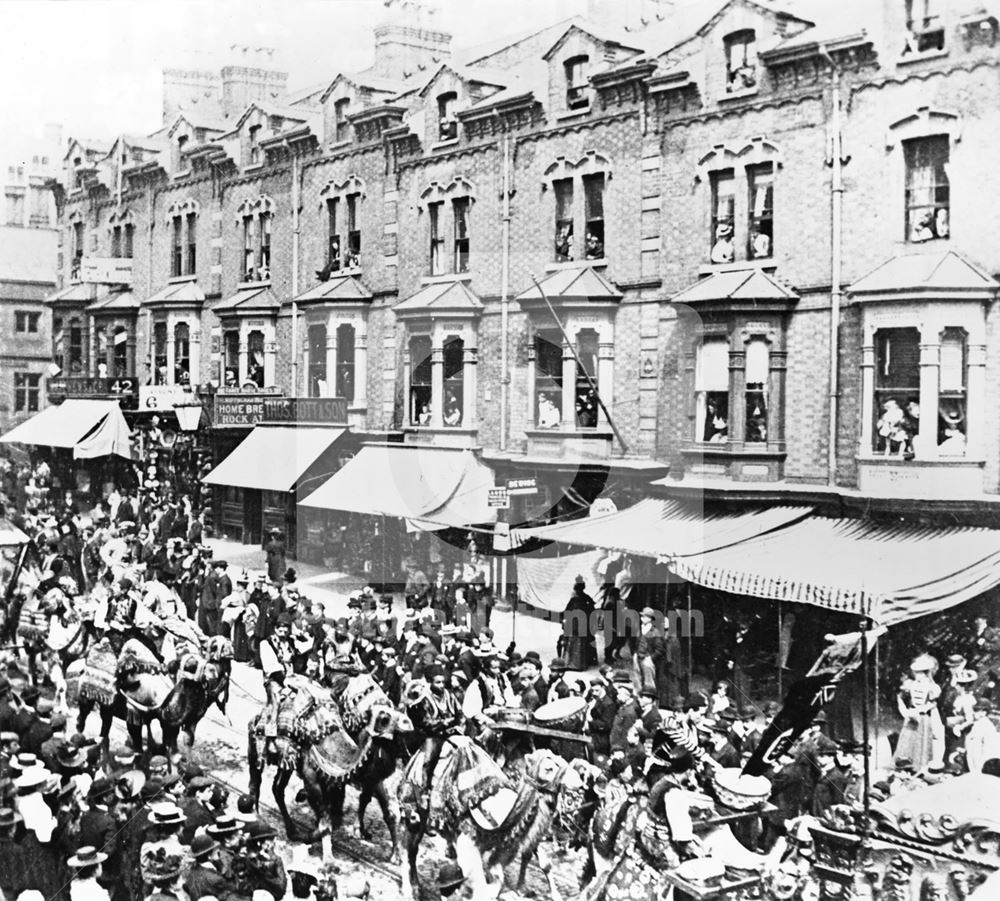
(548,412)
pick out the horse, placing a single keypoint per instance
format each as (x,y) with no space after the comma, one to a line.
(489,820)
(351,734)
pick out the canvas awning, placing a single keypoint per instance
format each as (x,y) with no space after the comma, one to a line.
(92,428)
(11,535)
(665,529)
(273,458)
(432,487)
(890,573)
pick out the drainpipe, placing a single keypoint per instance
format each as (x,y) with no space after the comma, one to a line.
(505,294)
(296,190)
(836,162)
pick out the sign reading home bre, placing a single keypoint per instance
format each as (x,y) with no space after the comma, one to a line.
(324,410)
(106,270)
(522,486)
(498,498)
(234,410)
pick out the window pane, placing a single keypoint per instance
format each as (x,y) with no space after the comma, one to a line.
(316,336)
(723,211)
(897,390)
(548,381)
(563,190)
(927,188)
(757,373)
(586,397)
(454,377)
(420,380)
(712,390)
(345,362)
(761,225)
(712,369)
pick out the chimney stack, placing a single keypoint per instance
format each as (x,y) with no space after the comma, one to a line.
(408,43)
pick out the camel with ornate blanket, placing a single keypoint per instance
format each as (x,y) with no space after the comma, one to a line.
(488,819)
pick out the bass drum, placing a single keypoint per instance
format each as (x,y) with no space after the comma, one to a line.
(564,714)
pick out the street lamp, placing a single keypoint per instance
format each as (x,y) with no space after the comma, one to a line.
(188,416)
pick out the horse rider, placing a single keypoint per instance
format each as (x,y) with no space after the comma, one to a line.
(277,654)
(441,718)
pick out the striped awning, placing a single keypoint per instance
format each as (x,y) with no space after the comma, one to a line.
(889,573)
(665,529)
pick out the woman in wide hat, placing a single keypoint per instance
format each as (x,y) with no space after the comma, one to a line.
(921,738)
(86,866)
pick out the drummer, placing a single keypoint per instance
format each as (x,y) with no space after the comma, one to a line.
(490,688)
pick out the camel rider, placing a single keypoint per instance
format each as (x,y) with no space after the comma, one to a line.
(276,656)
(442,718)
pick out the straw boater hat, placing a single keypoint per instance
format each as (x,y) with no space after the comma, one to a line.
(87,856)
(924,664)
(966,677)
(166,814)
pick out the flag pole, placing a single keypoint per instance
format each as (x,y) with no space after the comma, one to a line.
(867,743)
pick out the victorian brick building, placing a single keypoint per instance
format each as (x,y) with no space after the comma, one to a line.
(728,248)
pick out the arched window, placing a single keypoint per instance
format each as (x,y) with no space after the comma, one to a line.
(420,380)
(182,354)
(454,381)
(255,358)
(345,362)
(317,360)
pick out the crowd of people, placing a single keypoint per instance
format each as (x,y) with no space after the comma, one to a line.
(84,821)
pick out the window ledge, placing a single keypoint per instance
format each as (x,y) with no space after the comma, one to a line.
(339,145)
(341,273)
(576,264)
(184,173)
(444,429)
(264,283)
(578,113)
(600,432)
(739,95)
(445,145)
(945,462)
(773,450)
(253,168)
(737,265)
(920,57)
(181,279)
(446,278)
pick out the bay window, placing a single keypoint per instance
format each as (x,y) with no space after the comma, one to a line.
(712,391)
(421,389)
(758,368)
(255,358)
(316,344)
(231,357)
(454,379)
(182,354)
(345,362)
(586,397)
(952,393)
(548,380)
(120,352)
(160,374)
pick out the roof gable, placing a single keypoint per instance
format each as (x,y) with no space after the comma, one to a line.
(344,288)
(741,285)
(943,275)
(448,297)
(599,35)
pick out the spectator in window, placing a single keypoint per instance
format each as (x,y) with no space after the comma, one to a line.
(564,243)
(595,247)
(716,425)
(102,370)
(723,250)
(760,245)
(452,412)
(548,412)
(424,418)
(923,229)
(230,381)
(941,226)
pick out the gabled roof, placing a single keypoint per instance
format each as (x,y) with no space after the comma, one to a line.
(342,288)
(114,301)
(180,294)
(476,74)
(449,297)
(577,282)
(259,298)
(200,119)
(940,275)
(618,37)
(498,45)
(298,113)
(365,80)
(740,285)
(81,291)
(100,147)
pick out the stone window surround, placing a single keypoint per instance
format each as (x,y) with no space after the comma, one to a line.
(257,208)
(591,163)
(173,318)
(331,317)
(445,193)
(339,190)
(440,329)
(245,324)
(931,319)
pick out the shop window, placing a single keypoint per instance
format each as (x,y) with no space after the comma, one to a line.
(723,215)
(593,198)
(758,366)
(563,190)
(342,127)
(586,376)
(129,241)
(760,230)
(255,358)
(353,231)
(460,209)
(577,85)
(192,244)
(712,391)
(927,189)
(952,388)
(160,374)
(454,380)
(437,238)
(254,145)
(26,322)
(316,339)
(177,249)
(75,348)
(447,120)
(897,390)
(420,380)
(345,362)
(548,381)
(925,30)
(741,61)
(231,357)
(119,356)
(332,238)
(26,392)
(182,354)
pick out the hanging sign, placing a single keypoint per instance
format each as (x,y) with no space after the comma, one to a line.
(498,498)
(522,486)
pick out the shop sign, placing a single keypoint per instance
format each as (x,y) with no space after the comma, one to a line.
(106,270)
(498,498)
(164,397)
(237,410)
(306,409)
(522,486)
(602,506)
(88,387)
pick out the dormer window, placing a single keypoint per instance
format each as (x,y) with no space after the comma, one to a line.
(577,84)
(447,120)
(342,127)
(924,27)
(254,152)
(741,61)
(181,143)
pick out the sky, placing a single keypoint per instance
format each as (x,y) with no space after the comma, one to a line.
(94,66)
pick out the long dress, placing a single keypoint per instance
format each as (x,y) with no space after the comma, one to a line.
(921,738)
(581,647)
